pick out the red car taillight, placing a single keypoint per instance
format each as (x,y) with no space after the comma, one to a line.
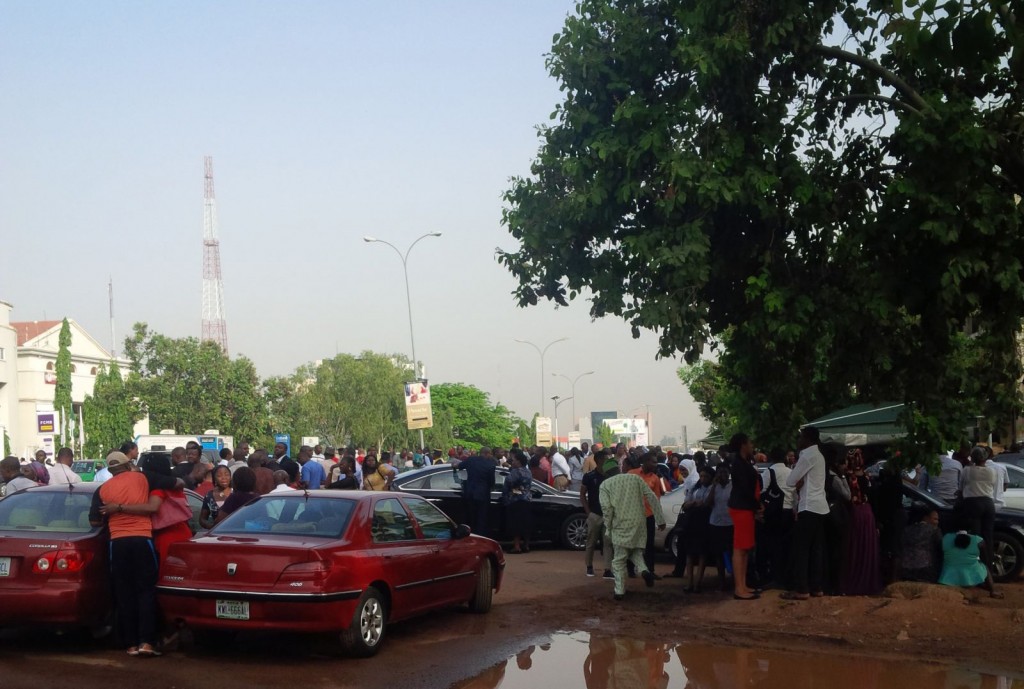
(65,561)
(315,572)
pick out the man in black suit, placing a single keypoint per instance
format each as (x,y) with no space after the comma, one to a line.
(477,488)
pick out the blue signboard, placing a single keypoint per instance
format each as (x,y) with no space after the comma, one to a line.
(286,440)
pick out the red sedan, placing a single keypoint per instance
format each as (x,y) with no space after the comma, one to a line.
(53,564)
(328,561)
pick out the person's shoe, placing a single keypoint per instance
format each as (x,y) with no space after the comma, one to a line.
(674,575)
(657,577)
(590,571)
(608,574)
(618,596)
(648,578)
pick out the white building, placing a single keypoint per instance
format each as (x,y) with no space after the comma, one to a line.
(28,357)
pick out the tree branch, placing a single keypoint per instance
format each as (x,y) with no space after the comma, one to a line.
(883,99)
(886,75)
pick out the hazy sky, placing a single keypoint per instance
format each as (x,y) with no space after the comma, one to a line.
(327,121)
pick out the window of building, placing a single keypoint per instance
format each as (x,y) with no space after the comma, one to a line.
(74,369)
(1,353)
(92,371)
(49,365)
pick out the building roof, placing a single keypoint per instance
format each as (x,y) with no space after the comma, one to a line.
(29,330)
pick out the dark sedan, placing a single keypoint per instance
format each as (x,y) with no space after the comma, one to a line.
(1008,549)
(557,517)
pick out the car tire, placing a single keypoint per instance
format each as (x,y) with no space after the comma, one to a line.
(574,531)
(366,630)
(484,594)
(1007,557)
(672,544)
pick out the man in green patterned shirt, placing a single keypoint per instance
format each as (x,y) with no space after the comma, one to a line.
(625,521)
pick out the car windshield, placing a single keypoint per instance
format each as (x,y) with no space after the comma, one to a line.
(294,515)
(81,467)
(36,510)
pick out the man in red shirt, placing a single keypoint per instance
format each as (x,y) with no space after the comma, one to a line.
(122,502)
(648,471)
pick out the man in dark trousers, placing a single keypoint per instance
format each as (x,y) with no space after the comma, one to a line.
(476,490)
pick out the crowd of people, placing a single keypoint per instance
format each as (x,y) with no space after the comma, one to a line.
(811,522)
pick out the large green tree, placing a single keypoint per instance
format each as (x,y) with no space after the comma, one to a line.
(67,419)
(833,185)
(466,412)
(191,386)
(109,413)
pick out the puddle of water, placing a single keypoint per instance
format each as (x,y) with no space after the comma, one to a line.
(584,661)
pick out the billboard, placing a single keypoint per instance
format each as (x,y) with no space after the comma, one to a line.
(46,422)
(629,427)
(543,430)
(573,439)
(418,414)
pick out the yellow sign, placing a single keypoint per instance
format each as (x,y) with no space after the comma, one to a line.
(418,413)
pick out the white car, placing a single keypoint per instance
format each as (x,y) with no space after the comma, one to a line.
(671,505)
(1013,496)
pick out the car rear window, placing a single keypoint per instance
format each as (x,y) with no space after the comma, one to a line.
(293,515)
(64,512)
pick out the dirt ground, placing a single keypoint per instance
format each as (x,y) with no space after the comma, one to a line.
(929,623)
(544,592)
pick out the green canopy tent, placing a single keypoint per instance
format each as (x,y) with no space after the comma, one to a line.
(862,424)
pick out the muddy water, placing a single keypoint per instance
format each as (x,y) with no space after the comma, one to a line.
(583,661)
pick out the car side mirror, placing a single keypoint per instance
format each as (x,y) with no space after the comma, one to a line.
(462,531)
(536,493)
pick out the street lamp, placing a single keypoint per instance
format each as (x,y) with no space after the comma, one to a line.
(572,382)
(542,352)
(408,297)
(558,400)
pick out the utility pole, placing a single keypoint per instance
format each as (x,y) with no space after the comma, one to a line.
(113,339)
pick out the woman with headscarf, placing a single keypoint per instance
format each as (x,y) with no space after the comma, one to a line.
(861,574)
(689,473)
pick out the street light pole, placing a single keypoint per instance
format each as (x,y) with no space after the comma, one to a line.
(558,400)
(542,352)
(408,297)
(572,382)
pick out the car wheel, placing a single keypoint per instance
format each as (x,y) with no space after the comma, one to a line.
(365,632)
(673,544)
(484,594)
(1007,557)
(574,531)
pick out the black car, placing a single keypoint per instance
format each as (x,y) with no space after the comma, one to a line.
(557,517)
(1008,549)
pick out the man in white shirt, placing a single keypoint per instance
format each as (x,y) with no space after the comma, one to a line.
(560,471)
(1002,482)
(61,472)
(946,483)
(808,478)
(10,474)
(778,524)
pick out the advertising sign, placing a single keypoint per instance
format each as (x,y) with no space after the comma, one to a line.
(630,427)
(46,422)
(574,439)
(543,430)
(310,440)
(418,414)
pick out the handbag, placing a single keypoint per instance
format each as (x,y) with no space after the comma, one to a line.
(773,497)
(173,510)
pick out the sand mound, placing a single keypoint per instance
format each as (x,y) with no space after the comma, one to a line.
(910,590)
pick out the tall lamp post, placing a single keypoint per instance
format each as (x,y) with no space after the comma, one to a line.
(408,298)
(542,352)
(572,382)
(558,400)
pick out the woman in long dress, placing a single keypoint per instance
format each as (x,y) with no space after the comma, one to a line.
(861,575)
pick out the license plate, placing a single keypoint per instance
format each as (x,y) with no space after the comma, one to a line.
(233,609)
(5,566)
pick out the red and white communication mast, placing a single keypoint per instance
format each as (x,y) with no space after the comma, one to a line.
(214,327)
